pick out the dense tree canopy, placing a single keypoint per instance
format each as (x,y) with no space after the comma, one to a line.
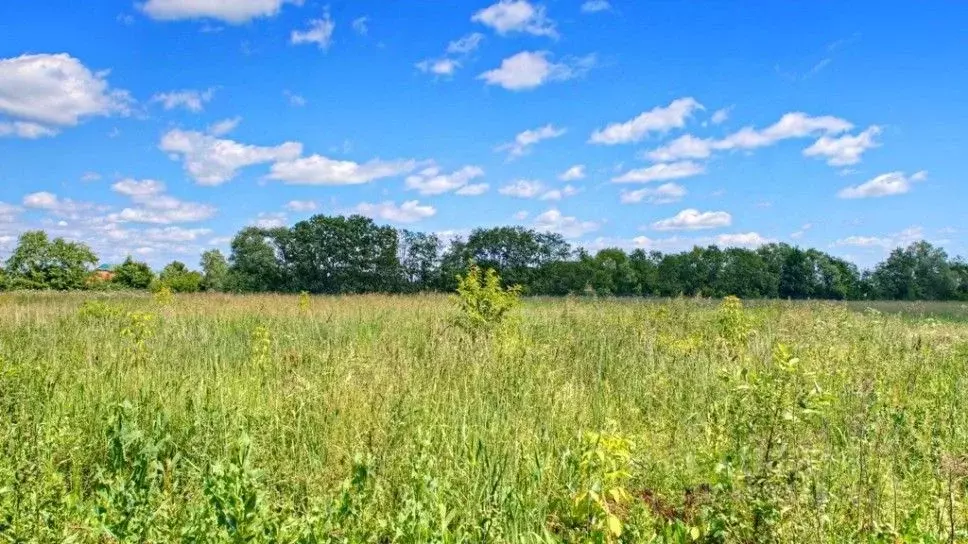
(355,255)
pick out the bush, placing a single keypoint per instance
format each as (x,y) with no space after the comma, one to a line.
(133,274)
(180,279)
(483,303)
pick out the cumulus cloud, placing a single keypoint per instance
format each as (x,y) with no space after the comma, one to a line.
(720,116)
(523,141)
(693,219)
(508,16)
(8,212)
(153,205)
(790,125)
(571,227)
(522,188)
(659,119)
(530,69)
(574,173)
(232,12)
(223,127)
(661,172)
(301,205)
(440,67)
(887,242)
(213,161)
(191,100)
(38,91)
(558,194)
(466,44)
(318,31)
(63,207)
(742,239)
(410,211)
(270,220)
(845,150)
(595,6)
(892,183)
(431,181)
(663,194)
(475,189)
(175,234)
(320,170)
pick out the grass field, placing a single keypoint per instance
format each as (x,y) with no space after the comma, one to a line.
(375,419)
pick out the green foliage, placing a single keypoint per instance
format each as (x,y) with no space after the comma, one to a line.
(482,301)
(133,274)
(177,277)
(215,271)
(40,263)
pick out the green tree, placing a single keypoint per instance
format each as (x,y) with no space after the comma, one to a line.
(256,263)
(420,260)
(180,279)
(515,253)
(215,270)
(133,274)
(918,272)
(39,263)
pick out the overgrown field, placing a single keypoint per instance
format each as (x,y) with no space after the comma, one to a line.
(376,419)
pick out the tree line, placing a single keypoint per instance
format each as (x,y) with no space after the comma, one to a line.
(344,255)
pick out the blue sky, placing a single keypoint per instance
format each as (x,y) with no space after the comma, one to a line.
(160,128)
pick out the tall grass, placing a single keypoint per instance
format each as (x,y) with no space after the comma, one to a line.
(376,419)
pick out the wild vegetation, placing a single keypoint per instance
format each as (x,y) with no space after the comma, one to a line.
(290,418)
(343,255)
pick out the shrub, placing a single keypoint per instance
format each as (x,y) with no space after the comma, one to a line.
(482,301)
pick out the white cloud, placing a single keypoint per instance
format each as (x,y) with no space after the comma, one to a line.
(65,207)
(301,205)
(40,90)
(360,25)
(574,173)
(530,69)
(26,129)
(189,99)
(661,172)
(524,140)
(659,119)
(271,220)
(663,194)
(790,125)
(154,206)
(845,150)
(465,45)
(90,176)
(175,234)
(692,219)
(320,170)
(892,183)
(8,212)
(319,32)
(233,11)
(803,230)
(440,67)
(508,16)
(742,239)
(475,189)
(213,161)
(522,188)
(571,227)
(223,127)
(720,116)
(595,6)
(294,99)
(558,194)
(410,211)
(430,181)
(890,241)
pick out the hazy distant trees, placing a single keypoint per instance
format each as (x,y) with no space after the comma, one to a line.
(355,255)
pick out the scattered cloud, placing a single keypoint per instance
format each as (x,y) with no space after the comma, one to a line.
(440,67)
(38,91)
(574,173)
(223,127)
(888,242)
(90,176)
(509,16)
(271,220)
(410,211)
(595,6)
(475,189)
(720,116)
(466,44)
(192,100)
(153,205)
(361,25)
(531,69)
(661,172)
(294,99)
(320,170)
(175,234)
(790,125)
(558,194)
(302,205)
(213,161)
(522,188)
(659,120)
(568,226)
(234,12)
(742,239)
(666,193)
(892,183)
(62,207)
(431,181)
(693,219)
(523,141)
(319,32)
(846,149)
(803,230)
